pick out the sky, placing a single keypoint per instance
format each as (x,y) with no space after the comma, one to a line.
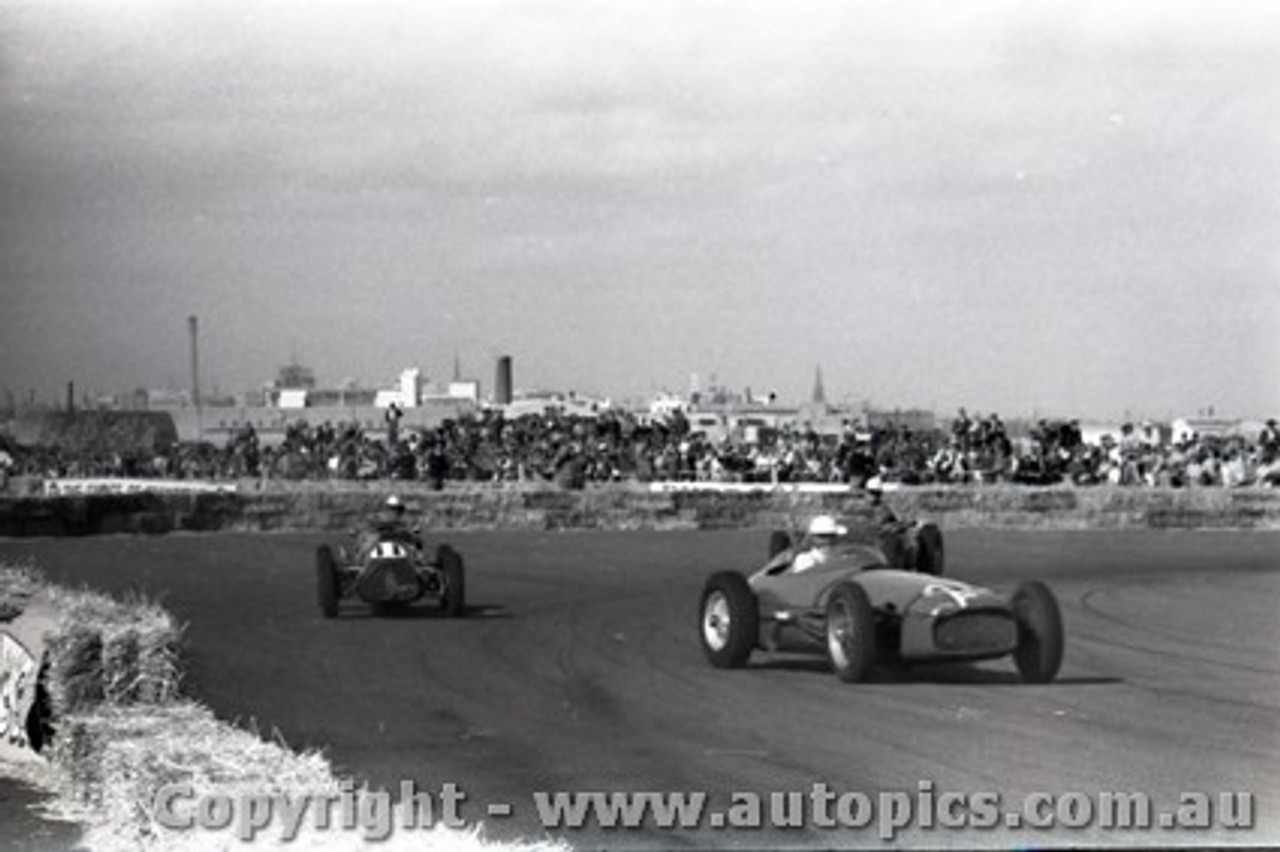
(1065,207)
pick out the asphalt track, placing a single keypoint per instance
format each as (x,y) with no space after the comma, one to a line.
(578,668)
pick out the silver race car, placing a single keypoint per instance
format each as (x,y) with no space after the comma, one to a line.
(830,593)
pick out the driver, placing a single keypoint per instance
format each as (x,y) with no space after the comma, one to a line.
(816,549)
(389,524)
(884,515)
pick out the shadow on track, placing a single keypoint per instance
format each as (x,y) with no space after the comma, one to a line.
(944,674)
(363,612)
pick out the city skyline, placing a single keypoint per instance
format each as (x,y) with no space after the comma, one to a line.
(1066,209)
(711,394)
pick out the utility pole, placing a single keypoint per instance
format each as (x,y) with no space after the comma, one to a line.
(193,325)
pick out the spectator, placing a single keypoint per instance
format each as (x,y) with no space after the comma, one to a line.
(392,417)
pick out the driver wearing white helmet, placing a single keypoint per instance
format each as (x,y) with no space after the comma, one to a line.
(880,510)
(823,532)
(390,524)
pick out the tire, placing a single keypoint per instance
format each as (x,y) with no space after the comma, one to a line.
(930,555)
(39,724)
(896,551)
(779,540)
(851,632)
(1040,637)
(728,620)
(326,581)
(453,601)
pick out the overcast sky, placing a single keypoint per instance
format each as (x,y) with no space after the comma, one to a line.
(1062,207)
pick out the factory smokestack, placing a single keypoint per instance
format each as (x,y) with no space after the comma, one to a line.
(502,383)
(193,325)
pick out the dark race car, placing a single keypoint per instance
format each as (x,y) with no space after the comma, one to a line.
(390,572)
(843,598)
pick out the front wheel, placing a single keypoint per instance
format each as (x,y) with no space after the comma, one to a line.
(326,581)
(454,598)
(728,620)
(1040,637)
(851,632)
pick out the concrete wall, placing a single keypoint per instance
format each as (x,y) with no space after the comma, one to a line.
(325,506)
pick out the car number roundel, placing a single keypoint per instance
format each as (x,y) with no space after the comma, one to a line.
(388,550)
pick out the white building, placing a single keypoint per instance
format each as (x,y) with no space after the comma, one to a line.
(1189,428)
(666,404)
(407,394)
(292,398)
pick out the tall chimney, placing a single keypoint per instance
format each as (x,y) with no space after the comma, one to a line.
(193,325)
(71,397)
(502,383)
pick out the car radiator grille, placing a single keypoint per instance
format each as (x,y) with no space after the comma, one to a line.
(975,632)
(389,579)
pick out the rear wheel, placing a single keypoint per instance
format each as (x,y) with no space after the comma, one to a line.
(728,621)
(326,581)
(454,598)
(1040,636)
(851,632)
(930,556)
(893,545)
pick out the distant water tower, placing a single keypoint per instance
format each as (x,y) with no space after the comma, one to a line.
(502,383)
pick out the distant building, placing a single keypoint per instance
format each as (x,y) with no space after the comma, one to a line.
(1189,428)
(406,394)
(664,405)
(462,389)
(291,398)
(294,376)
(554,402)
(161,398)
(915,419)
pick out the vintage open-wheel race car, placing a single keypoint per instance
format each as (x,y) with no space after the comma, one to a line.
(858,608)
(390,572)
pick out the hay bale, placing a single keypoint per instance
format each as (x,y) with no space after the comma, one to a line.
(73,673)
(106,651)
(115,760)
(119,666)
(19,583)
(112,672)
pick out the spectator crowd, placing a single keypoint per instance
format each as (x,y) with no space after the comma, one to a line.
(618,446)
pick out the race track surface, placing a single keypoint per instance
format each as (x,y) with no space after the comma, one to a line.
(579,668)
